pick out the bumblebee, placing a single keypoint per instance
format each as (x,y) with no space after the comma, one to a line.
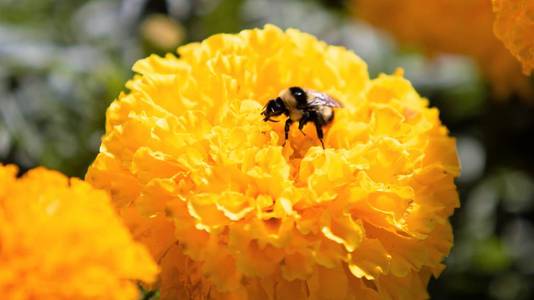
(303,106)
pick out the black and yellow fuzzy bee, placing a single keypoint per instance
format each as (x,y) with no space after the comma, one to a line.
(303,106)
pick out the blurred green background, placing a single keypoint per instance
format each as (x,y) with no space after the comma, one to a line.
(63,62)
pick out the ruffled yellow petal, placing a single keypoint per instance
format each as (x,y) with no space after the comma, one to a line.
(61,239)
(231,214)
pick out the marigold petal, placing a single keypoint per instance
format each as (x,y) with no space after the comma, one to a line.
(370,260)
(89,252)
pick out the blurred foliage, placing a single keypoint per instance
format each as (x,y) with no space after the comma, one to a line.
(62,62)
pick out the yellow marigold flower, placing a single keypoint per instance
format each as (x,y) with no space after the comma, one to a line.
(514,25)
(61,239)
(460,27)
(230,213)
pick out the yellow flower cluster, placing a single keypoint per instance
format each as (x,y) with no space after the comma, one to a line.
(231,214)
(61,239)
(514,25)
(460,27)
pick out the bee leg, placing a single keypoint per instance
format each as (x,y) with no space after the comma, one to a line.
(286,130)
(303,122)
(319,129)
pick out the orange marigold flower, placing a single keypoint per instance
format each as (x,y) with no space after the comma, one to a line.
(459,27)
(230,213)
(61,239)
(514,25)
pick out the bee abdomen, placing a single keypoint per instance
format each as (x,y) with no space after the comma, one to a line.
(327,114)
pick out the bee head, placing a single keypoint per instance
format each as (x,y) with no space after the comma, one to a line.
(274,107)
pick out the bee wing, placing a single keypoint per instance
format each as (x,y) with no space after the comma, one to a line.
(322,99)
